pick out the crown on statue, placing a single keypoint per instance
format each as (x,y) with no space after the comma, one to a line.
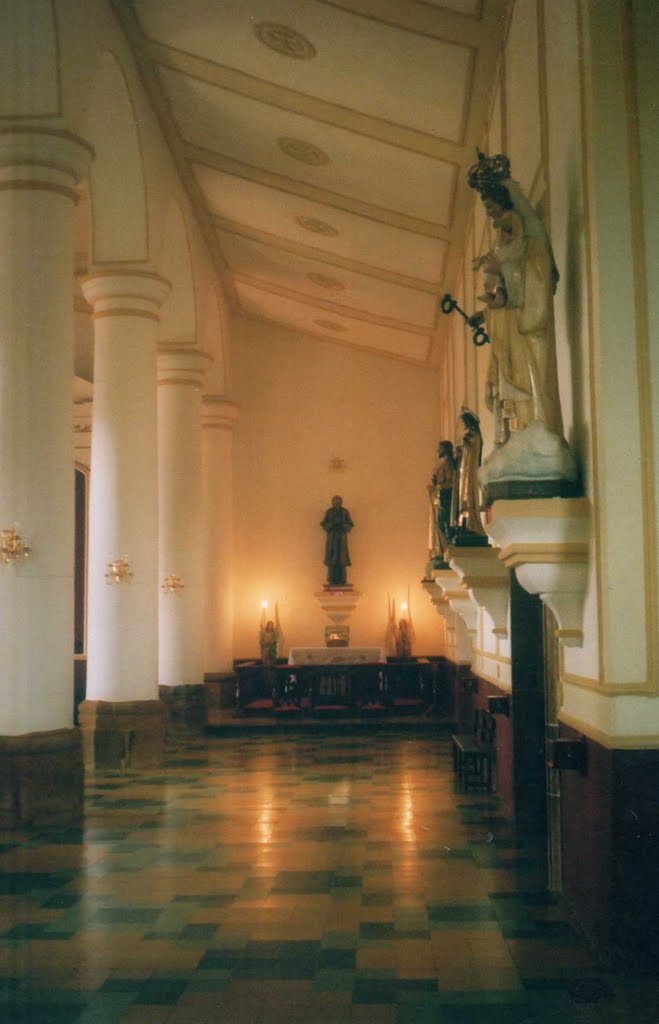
(490,172)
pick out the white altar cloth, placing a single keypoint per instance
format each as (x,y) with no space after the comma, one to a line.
(335,655)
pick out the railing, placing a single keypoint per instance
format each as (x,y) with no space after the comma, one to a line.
(395,686)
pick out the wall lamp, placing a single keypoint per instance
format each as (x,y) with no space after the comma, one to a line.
(172,584)
(118,571)
(12,546)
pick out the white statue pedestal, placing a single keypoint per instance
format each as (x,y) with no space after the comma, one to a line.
(338,603)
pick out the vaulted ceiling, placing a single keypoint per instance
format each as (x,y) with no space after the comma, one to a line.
(324,145)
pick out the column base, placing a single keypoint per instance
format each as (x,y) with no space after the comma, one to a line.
(220,690)
(122,734)
(185,709)
(41,778)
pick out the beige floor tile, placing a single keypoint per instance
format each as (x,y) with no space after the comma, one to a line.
(376,957)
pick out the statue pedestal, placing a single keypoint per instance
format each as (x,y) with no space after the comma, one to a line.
(485,578)
(532,464)
(338,603)
(448,581)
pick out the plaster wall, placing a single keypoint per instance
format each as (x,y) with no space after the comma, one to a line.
(491,653)
(521,70)
(302,404)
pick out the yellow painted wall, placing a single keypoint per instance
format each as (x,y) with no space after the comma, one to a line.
(303,402)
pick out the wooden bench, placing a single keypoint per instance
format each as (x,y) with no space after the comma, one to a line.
(474,752)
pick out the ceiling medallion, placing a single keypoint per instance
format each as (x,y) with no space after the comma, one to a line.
(303,151)
(284,40)
(325,281)
(330,325)
(319,227)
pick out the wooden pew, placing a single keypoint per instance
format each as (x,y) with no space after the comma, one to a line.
(474,752)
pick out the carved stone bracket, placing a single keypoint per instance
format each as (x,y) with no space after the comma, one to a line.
(459,638)
(485,578)
(545,541)
(448,580)
(438,600)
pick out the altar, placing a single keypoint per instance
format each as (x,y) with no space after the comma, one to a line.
(335,655)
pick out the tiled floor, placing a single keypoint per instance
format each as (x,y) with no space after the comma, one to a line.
(309,879)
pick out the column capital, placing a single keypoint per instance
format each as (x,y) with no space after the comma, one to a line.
(125,291)
(218,412)
(182,365)
(43,159)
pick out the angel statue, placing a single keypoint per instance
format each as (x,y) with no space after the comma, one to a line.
(270,638)
(404,639)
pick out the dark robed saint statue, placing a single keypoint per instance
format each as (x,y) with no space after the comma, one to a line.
(337,525)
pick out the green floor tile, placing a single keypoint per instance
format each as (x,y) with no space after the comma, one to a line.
(275,865)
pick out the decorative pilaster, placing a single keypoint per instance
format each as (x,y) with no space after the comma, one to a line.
(218,417)
(123,512)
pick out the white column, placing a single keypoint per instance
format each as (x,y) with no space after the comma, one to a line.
(39,171)
(123,509)
(181,634)
(219,415)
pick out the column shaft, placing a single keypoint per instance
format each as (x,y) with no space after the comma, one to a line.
(38,174)
(123,513)
(180,376)
(219,415)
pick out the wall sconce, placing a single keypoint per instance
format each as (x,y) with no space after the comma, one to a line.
(12,546)
(173,584)
(118,571)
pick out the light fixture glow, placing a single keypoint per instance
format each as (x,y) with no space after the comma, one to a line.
(118,571)
(173,584)
(12,546)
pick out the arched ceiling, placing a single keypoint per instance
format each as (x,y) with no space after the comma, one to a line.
(325,144)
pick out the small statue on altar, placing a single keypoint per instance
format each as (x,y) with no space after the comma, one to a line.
(404,640)
(337,524)
(270,636)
